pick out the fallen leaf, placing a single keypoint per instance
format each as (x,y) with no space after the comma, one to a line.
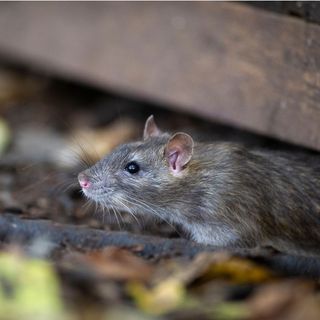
(15,86)
(114,263)
(160,299)
(275,300)
(221,265)
(96,143)
(235,269)
(29,289)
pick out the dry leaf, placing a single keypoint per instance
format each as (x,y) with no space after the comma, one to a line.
(15,86)
(208,266)
(29,288)
(162,298)
(98,142)
(238,270)
(276,299)
(116,264)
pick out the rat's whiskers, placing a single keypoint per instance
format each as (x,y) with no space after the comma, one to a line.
(129,210)
(145,206)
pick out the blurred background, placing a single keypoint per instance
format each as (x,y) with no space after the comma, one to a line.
(79,78)
(84,77)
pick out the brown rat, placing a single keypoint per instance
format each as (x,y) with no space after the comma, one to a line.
(222,194)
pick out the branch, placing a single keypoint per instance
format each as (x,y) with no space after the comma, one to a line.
(15,229)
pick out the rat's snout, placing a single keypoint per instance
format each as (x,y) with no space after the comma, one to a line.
(84,180)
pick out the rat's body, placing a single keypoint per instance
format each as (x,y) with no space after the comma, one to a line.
(221,193)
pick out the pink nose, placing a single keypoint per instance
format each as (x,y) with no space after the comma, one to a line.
(84,181)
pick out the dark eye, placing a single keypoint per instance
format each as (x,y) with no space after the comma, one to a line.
(132,167)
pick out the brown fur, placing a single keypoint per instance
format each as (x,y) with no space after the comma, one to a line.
(227,195)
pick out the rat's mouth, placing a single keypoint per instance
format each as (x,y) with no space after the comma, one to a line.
(95,193)
(108,199)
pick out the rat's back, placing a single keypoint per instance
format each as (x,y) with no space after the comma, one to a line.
(270,198)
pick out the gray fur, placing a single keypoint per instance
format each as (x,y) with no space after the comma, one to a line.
(227,195)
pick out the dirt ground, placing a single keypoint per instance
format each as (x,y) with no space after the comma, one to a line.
(108,266)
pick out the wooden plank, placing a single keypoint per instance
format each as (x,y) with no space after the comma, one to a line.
(306,10)
(224,61)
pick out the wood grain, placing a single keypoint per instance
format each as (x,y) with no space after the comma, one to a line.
(223,61)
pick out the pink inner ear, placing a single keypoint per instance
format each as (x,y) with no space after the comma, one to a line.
(173,157)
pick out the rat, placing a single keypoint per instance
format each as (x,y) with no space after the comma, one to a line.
(221,193)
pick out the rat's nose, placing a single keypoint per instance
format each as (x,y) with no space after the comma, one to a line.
(84,180)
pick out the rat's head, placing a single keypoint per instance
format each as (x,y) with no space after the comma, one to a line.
(142,177)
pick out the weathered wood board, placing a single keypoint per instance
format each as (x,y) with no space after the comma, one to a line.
(306,10)
(224,61)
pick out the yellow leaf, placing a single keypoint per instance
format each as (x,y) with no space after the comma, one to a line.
(237,270)
(164,297)
(29,289)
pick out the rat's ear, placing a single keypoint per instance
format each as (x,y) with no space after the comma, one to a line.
(150,129)
(178,151)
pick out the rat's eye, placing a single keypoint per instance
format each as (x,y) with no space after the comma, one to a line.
(132,167)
